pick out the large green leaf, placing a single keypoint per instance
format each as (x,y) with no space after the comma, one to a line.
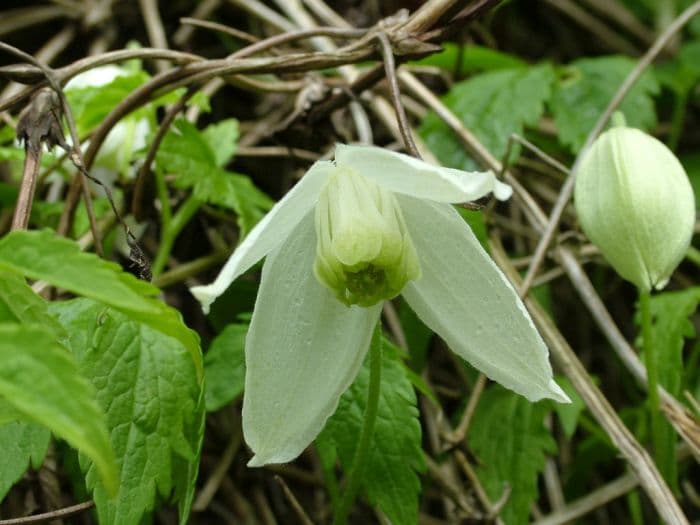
(224,366)
(22,444)
(19,303)
(508,436)
(40,379)
(149,388)
(583,92)
(493,106)
(190,155)
(59,261)
(391,475)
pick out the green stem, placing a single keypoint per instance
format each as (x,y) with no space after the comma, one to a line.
(358,464)
(166,212)
(172,230)
(651,363)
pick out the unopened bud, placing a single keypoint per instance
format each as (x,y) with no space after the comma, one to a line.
(634,201)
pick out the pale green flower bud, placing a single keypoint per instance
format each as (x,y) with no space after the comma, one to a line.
(634,201)
(364,252)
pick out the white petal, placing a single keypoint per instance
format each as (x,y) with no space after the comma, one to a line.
(95,77)
(410,176)
(303,350)
(269,233)
(466,300)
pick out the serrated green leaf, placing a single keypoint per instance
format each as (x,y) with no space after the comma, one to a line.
(186,152)
(59,261)
(44,255)
(670,312)
(151,394)
(395,458)
(19,303)
(583,92)
(508,436)
(91,104)
(222,139)
(493,106)
(671,326)
(569,413)
(188,469)
(224,367)
(9,413)
(22,444)
(40,378)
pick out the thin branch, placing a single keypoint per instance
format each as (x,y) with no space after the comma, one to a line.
(168,119)
(154,28)
(490,508)
(390,69)
(48,516)
(602,33)
(222,28)
(459,433)
(203,10)
(214,481)
(296,506)
(591,501)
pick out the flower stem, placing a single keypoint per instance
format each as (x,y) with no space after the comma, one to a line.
(358,464)
(651,363)
(172,230)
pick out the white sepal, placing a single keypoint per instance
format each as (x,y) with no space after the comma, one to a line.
(466,300)
(410,176)
(303,350)
(270,232)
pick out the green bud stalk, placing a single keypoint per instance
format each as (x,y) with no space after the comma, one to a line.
(364,251)
(634,201)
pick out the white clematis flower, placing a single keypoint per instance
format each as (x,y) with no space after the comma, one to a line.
(350,234)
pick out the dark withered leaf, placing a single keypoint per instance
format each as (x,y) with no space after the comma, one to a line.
(40,121)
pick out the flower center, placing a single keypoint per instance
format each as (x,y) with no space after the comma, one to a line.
(364,252)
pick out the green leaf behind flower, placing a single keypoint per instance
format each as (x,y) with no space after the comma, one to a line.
(149,388)
(224,366)
(395,458)
(59,261)
(586,87)
(508,436)
(22,444)
(493,106)
(40,379)
(196,158)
